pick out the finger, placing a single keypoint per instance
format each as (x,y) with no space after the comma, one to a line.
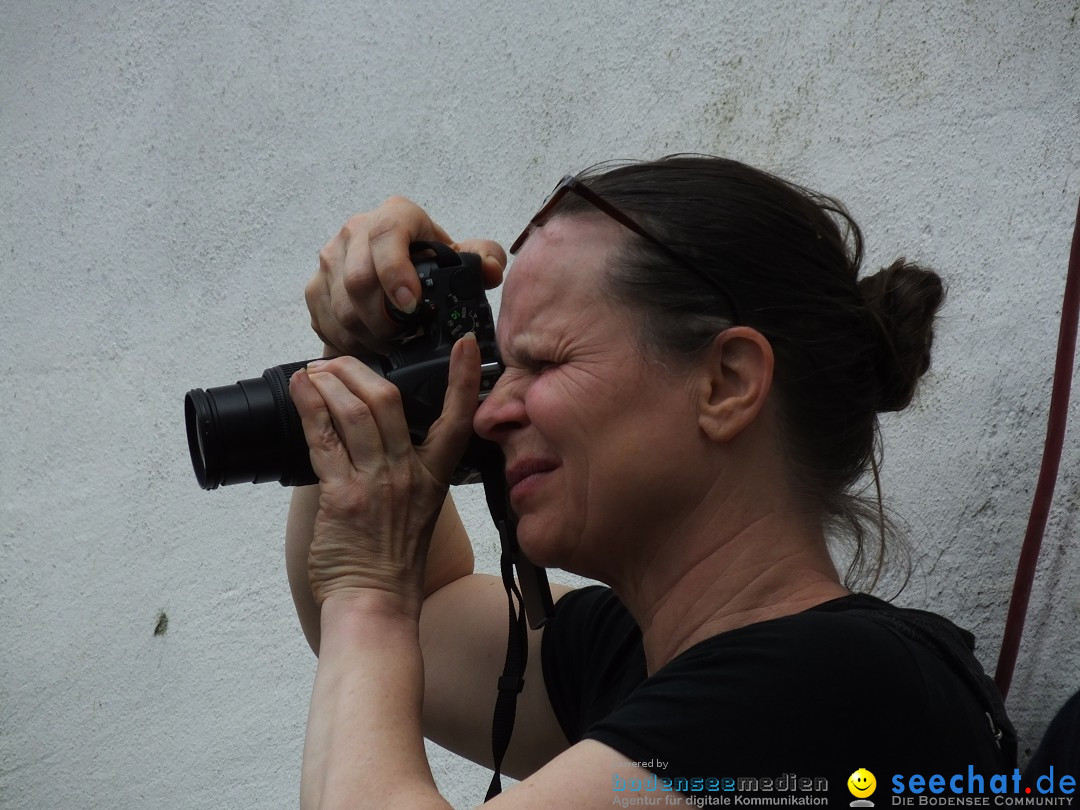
(318,292)
(382,398)
(397,223)
(356,297)
(329,458)
(352,420)
(449,436)
(340,323)
(357,315)
(492,258)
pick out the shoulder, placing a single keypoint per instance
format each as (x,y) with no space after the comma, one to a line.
(835,681)
(850,649)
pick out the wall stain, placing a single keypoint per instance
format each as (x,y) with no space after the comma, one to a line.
(162,624)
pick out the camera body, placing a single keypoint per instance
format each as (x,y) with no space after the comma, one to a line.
(250,432)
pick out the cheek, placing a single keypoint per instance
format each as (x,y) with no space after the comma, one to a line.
(556,412)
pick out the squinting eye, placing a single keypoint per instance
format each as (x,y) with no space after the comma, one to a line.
(535,365)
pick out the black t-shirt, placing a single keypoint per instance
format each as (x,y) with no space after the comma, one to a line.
(1059,749)
(785,706)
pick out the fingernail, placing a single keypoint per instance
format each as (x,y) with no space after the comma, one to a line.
(315,365)
(470,343)
(404,300)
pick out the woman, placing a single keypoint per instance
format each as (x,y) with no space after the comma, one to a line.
(693,376)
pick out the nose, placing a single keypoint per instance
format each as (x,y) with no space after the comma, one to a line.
(502,412)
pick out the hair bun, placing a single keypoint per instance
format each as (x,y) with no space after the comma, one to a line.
(902,300)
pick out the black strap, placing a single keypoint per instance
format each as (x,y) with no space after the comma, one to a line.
(512,680)
(489,460)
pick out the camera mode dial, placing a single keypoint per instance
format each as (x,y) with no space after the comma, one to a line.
(460,320)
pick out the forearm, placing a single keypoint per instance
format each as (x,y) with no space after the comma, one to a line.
(449,558)
(299,531)
(364,746)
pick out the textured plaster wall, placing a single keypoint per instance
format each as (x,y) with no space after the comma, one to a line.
(169,170)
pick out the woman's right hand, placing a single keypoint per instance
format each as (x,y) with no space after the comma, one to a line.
(369,260)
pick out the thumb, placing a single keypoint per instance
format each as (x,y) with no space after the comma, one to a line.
(449,435)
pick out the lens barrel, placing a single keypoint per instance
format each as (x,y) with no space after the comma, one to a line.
(249,432)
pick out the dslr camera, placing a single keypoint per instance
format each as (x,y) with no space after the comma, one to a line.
(250,432)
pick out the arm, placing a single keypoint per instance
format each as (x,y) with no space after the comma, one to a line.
(383,676)
(364,745)
(462,631)
(379,502)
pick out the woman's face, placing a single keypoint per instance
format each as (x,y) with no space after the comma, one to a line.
(599,439)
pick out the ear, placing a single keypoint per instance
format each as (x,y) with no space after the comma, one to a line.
(736,376)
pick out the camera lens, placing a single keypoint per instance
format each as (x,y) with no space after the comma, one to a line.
(249,432)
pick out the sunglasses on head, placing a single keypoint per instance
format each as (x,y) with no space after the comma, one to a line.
(571,185)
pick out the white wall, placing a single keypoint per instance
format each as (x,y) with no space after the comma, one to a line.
(169,170)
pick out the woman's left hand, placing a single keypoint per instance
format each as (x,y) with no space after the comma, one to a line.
(379,494)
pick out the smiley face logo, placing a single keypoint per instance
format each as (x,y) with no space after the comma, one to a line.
(861,783)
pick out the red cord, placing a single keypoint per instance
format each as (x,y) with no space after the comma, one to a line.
(1044,490)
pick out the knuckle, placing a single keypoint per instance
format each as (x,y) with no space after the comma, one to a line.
(382,226)
(320,334)
(359,282)
(313,293)
(343,501)
(336,365)
(355,412)
(326,259)
(398,272)
(392,215)
(323,436)
(356,223)
(401,480)
(386,395)
(344,313)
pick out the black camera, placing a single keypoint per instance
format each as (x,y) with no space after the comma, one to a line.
(250,432)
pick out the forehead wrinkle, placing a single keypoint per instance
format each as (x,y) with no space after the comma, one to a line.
(548,338)
(559,276)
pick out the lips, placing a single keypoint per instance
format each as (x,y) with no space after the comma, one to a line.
(521,473)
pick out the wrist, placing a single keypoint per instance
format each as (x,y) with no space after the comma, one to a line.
(368,608)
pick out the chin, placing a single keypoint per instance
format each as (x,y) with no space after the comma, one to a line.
(550,549)
(541,545)
(538,550)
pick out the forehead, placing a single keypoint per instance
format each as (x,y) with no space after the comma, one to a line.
(560,274)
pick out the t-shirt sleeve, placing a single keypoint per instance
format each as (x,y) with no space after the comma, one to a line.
(592,658)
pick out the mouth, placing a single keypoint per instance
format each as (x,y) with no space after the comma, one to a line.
(521,474)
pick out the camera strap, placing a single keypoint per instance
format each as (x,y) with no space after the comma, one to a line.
(489,460)
(512,680)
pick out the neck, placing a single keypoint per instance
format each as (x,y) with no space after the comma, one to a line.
(773,564)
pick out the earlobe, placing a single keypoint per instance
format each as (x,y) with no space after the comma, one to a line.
(736,378)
